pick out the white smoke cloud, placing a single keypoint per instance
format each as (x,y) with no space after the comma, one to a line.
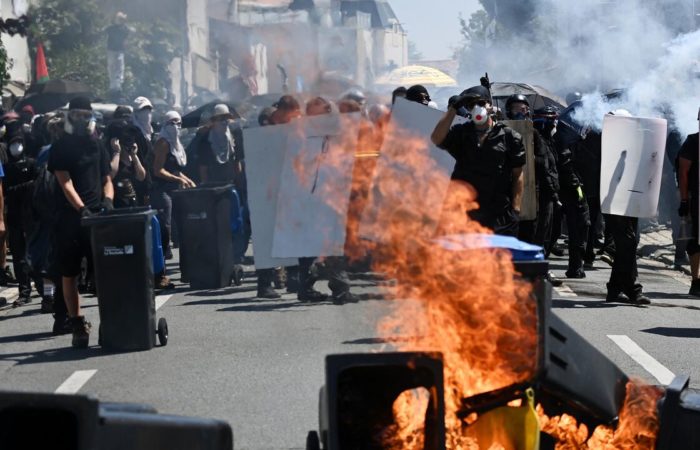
(595,46)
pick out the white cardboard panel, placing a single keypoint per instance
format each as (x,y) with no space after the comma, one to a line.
(265,149)
(632,156)
(315,185)
(419,121)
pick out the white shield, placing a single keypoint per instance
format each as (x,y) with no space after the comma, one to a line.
(315,185)
(632,157)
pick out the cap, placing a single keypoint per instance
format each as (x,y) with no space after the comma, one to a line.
(221,109)
(479,92)
(80,103)
(141,103)
(173,116)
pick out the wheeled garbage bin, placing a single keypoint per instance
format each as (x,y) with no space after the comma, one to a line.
(203,218)
(122,249)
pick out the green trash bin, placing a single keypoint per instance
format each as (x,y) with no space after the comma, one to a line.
(122,249)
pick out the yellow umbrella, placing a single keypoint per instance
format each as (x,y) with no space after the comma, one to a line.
(410,75)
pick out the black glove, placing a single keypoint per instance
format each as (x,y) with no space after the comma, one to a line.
(85,213)
(107,204)
(684,209)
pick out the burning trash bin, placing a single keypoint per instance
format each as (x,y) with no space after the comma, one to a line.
(122,249)
(203,217)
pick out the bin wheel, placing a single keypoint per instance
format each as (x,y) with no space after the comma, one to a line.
(312,441)
(163,331)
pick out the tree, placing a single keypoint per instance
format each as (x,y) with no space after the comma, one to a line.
(413,53)
(73,34)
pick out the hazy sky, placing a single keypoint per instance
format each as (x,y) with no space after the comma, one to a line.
(433,24)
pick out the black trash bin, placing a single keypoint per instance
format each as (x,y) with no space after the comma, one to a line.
(203,218)
(122,249)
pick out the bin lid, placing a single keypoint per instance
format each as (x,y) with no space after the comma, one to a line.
(214,188)
(119,215)
(521,251)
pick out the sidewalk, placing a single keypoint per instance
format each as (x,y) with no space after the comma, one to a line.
(658,245)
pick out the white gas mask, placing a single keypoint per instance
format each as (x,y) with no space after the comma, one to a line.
(480,115)
(16,149)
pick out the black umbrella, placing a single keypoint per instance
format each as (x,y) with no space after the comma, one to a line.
(201,114)
(52,95)
(537,96)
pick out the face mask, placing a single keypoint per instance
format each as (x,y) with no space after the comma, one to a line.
(144,115)
(16,149)
(173,129)
(480,114)
(519,116)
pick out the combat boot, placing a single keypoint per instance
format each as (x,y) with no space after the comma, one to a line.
(695,288)
(81,332)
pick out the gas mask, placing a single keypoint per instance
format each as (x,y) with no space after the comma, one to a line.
(16,149)
(480,115)
(546,126)
(520,116)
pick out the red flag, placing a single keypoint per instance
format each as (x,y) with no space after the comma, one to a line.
(42,72)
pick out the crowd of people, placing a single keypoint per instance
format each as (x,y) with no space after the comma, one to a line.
(64,166)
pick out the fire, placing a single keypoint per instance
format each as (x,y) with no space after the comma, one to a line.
(473,308)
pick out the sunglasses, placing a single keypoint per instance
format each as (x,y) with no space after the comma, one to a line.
(481,103)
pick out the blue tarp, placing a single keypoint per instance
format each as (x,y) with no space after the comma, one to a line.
(521,251)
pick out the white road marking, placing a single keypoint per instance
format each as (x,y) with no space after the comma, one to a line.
(644,359)
(565,291)
(161,299)
(76,381)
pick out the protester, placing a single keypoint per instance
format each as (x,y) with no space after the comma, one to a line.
(215,148)
(624,286)
(127,169)
(490,157)
(286,109)
(80,163)
(689,186)
(169,162)
(20,173)
(399,92)
(418,94)
(142,117)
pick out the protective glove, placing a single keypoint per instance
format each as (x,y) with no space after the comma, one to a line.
(579,192)
(684,209)
(85,213)
(107,204)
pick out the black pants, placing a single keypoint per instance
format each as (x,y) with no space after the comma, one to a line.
(17,240)
(594,211)
(624,271)
(163,203)
(505,223)
(578,224)
(539,231)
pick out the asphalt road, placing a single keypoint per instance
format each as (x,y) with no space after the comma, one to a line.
(259,364)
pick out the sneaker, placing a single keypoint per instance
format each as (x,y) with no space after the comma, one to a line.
(22,300)
(61,325)
(6,277)
(237,275)
(553,280)
(608,259)
(557,250)
(695,288)
(47,305)
(280,279)
(311,296)
(588,264)
(345,297)
(577,274)
(163,283)
(81,332)
(268,293)
(638,299)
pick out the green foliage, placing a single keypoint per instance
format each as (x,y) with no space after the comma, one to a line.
(73,33)
(5,65)
(151,48)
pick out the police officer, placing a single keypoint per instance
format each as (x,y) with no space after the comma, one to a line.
(489,156)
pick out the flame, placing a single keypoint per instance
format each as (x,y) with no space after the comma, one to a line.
(472,307)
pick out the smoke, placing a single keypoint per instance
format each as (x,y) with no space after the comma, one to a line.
(646,48)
